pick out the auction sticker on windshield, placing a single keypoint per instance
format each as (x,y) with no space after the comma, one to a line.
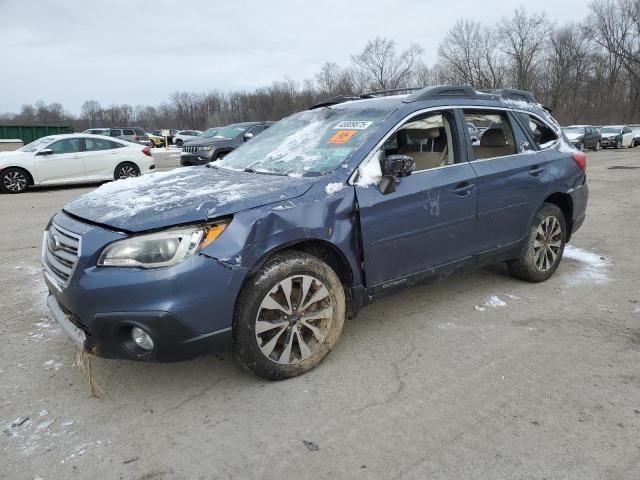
(352,125)
(343,136)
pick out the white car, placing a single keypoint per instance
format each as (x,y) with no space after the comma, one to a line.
(617,137)
(184,136)
(72,158)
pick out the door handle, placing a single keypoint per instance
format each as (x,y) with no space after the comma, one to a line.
(463,189)
(535,171)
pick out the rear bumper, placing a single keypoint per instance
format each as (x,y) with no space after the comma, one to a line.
(579,197)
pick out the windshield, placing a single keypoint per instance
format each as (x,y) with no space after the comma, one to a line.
(35,145)
(573,130)
(210,132)
(231,131)
(611,130)
(309,143)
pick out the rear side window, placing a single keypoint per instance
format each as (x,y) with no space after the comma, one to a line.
(543,135)
(128,131)
(115,133)
(497,139)
(140,131)
(68,145)
(97,144)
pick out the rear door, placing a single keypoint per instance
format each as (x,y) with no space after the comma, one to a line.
(513,177)
(65,164)
(428,221)
(100,158)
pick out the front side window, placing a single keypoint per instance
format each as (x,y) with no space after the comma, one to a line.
(426,139)
(68,145)
(308,143)
(497,139)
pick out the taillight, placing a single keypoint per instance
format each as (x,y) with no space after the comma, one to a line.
(136,138)
(581,160)
(147,151)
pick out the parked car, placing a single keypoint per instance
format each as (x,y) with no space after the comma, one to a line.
(98,131)
(617,137)
(184,136)
(273,247)
(130,134)
(205,149)
(636,131)
(172,132)
(583,136)
(155,140)
(72,158)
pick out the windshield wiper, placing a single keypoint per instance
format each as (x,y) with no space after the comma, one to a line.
(264,172)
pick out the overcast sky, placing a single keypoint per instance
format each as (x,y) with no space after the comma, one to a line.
(140,51)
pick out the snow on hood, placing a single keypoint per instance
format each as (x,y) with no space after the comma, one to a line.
(180,196)
(609,135)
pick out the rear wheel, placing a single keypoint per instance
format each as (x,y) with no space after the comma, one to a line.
(597,146)
(14,180)
(288,316)
(545,246)
(126,170)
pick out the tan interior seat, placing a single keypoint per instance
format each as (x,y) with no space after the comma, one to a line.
(493,144)
(429,149)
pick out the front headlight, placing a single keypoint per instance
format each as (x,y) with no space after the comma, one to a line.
(206,148)
(161,249)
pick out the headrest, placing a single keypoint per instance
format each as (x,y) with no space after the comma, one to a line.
(418,134)
(493,137)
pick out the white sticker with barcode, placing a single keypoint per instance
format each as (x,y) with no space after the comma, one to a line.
(352,125)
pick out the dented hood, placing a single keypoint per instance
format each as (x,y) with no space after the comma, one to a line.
(184,195)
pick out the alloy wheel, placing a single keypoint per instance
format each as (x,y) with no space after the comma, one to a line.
(127,171)
(547,244)
(294,319)
(15,181)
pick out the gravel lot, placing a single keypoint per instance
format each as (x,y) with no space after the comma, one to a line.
(439,382)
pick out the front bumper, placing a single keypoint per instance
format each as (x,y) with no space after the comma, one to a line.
(191,159)
(608,142)
(187,308)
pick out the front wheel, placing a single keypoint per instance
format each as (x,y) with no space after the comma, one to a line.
(179,143)
(288,316)
(126,170)
(14,180)
(581,146)
(597,146)
(545,246)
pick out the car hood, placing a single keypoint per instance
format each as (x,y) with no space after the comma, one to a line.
(12,156)
(182,196)
(609,135)
(216,142)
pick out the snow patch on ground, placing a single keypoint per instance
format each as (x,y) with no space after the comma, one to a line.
(495,301)
(334,188)
(584,266)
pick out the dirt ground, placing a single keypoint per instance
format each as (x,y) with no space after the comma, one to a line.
(443,381)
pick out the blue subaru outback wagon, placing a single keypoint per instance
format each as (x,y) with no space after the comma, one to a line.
(271,248)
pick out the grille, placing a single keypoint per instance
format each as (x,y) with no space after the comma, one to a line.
(190,149)
(60,252)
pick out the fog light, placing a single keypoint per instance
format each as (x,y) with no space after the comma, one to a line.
(142,338)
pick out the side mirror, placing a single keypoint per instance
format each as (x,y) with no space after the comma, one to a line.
(247,136)
(45,151)
(393,167)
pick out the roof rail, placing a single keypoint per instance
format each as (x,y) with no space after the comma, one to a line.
(334,101)
(442,91)
(393,90)
(512,94)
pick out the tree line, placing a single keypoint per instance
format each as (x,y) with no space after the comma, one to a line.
(586,72)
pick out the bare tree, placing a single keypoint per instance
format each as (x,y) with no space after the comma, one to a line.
(522,38)
(379,67)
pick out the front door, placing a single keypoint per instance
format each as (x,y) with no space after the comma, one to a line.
(64,164)
(428,222)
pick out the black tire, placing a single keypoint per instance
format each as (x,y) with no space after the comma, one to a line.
(528,267)
(220,156)
(618,144)
(179,143)
(126,170)
(596,147)
(290,330)
(14,180)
